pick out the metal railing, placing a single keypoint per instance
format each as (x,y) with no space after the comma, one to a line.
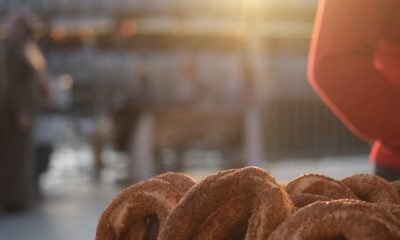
(305,127)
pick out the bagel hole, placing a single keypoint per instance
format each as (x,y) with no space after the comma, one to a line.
(238,232)
(136,231)
(143,229)
(152,227)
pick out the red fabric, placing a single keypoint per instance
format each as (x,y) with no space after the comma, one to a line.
(355,68)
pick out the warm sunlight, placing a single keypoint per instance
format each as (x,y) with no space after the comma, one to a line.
(203,111)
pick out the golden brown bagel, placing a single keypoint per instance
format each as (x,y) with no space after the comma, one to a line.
(318,184)
(372,188)
(339,219)
(226,193)
(235,212)
(182,182)
(139,210)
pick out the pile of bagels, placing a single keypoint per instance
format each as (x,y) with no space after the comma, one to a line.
(248,203)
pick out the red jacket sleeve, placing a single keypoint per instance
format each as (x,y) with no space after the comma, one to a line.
(387,59)
(342,67)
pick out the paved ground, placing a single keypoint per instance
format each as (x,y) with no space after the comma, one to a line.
(67,213)
(73,201)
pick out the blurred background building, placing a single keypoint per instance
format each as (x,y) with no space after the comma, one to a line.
(97,51)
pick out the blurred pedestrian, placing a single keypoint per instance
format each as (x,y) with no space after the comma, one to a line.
(23,83)
(355,67)
(44,135)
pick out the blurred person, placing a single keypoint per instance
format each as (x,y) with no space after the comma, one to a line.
(140,149)
(355,68)
(23,83)
(44,135)
(132,127)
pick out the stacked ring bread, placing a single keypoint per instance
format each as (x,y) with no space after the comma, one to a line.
(139,210)
(248,203)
